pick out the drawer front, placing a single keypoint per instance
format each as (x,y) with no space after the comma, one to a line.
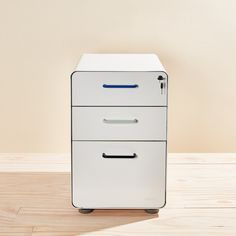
(118,174)
(119,123)
(119,89)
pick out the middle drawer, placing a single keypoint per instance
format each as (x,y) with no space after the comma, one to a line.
(119,123)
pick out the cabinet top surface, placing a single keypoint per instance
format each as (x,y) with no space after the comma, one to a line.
(119,62)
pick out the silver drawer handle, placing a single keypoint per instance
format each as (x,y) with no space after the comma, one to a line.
(120,121)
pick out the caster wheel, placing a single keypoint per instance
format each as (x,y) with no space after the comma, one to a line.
(85,211)
(152,211)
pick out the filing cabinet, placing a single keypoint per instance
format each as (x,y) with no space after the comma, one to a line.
(119,132)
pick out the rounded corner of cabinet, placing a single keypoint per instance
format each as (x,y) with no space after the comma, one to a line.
(164,72)
(164,204)
(75,204)
(73,74)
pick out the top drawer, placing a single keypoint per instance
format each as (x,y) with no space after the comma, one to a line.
(119,88)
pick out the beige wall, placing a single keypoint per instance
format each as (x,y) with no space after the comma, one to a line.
(41,42)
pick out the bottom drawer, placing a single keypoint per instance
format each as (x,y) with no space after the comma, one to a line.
(118,174)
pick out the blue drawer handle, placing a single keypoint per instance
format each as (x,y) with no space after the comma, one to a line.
(120,86)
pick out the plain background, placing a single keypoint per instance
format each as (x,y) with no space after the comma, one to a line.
(41,42)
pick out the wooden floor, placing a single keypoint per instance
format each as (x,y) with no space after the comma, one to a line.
(201,199)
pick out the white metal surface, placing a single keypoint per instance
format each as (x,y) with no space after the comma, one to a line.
(121,123)
(120,62)
(119,120)
(116,182)
(88,90)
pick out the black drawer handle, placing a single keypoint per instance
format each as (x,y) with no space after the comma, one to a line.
(120,85)
(119,156)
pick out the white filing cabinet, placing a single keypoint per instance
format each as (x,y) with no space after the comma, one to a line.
(119,132)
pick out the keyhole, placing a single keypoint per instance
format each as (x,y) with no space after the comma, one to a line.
(162,83)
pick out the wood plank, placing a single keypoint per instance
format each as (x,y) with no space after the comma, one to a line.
(180,221)
(128,233)
(176,221)
(56,162)
(194,186)
(201,158)
(34,162)
(16,234)
(12,230)
(201,200)
(72,221)
(35,189)
(8,213)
